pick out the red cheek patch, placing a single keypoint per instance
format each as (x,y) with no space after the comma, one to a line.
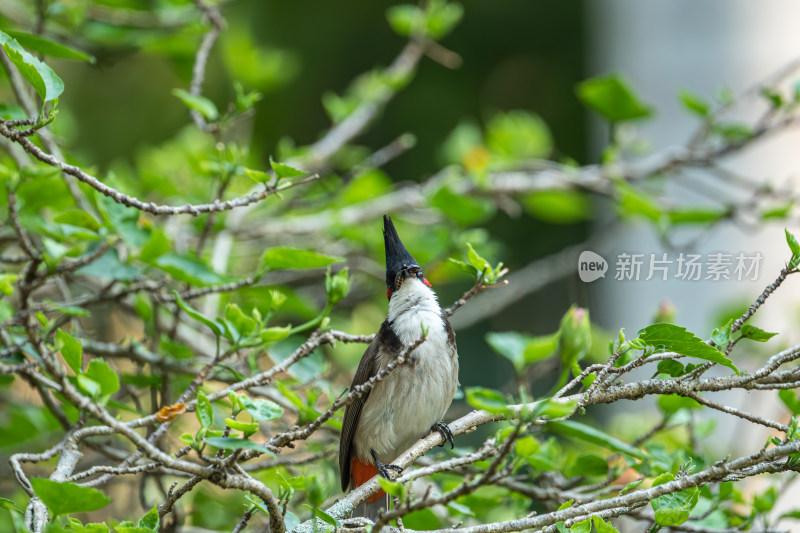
(388,294)
(426,282)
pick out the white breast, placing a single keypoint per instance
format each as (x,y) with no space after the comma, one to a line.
(403,407)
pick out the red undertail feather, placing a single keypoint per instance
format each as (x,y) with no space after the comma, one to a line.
(363,472)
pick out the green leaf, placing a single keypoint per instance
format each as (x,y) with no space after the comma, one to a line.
(443,16)
(47,84)
(613,98)
(76,527)
(673,509)
(71,350)
(763,503)
(487,399)
(132,529)
(150,520)
(672,403)
(201,104)
(794,246)
(584,526)
(406,19)
(68,498)
(558,207)
(189,310)
(325,517)
(511,346)
(601,526)
(157,245)
(671,367)
(88,385)
(99,372)
(672,338)
(518,135)
(189,269)
(291,258)
(756,334)
(49,48)
(694,103)
(109,266)
(260,409)
(790,399)
(232,443)
(7,283)
(632,201)
(588,465)
(465,210)
(248,428)
(695,215)
(282,170)
(204,411)
(392,488)
(243,323)
(274,334)
(570,428)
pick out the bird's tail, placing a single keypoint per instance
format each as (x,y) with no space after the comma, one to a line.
(362,472)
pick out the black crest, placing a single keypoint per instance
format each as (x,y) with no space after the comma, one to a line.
(397,257)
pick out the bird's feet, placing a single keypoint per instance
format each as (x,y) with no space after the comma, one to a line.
(444,430)
(383,469)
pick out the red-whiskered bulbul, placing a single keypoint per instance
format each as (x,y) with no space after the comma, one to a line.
(411,401)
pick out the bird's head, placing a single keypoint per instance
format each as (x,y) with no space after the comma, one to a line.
(400,265)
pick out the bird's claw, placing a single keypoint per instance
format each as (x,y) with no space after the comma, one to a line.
(383,469)
(446,433)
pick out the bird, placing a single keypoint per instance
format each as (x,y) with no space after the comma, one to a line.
(411,401)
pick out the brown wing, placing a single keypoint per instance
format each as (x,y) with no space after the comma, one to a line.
(366,369)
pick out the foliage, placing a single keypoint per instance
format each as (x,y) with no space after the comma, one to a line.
(199,278)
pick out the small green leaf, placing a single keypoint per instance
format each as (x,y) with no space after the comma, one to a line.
(189,310)
(672,403)
(76,527)
(443,16)
(673,509)
(157,245)
(198,103)
(150,520)
(612,97)
(283,170)
(248,428)
(274,334)
(672,338)
(204,411)
(671,367)
(756,334)
(47,84)
(243,323)
(392,488)
(291,258)
(189,269)
(7,283)
(71,350)
(406,19)
(601,526)
(584,526)
(49,48)
(232,443)
(794,246)
(260,409)
(68,498)
(99,372)
(790,400)
(109,266)
(695,104)
(511,346)
(487,399)
(88,385)
(477,261)
(570,428)
(325,517)
(588,465)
